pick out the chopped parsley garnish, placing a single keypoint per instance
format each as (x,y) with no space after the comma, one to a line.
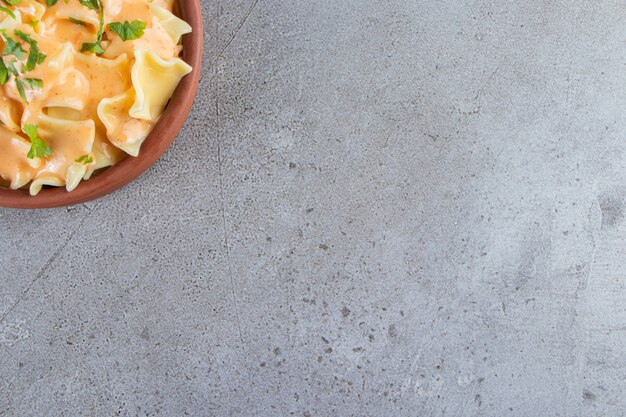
(33,83)
(24,37)
(4,72)
(91,4)
(85,159)
(128,31)
(96,46)
(77,21)
(12,48)
(38,148)
(12,69)
(12,2)
(34,55)
(7,11)
(51,2)
(20,89)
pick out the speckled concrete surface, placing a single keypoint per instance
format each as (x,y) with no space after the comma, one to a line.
(376,208)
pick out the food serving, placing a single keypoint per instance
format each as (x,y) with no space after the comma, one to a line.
(83,82)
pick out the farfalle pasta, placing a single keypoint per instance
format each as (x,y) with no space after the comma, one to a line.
(83,82)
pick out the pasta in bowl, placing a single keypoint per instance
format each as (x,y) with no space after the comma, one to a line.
(85,87)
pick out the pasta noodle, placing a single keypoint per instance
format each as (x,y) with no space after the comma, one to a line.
(83,82)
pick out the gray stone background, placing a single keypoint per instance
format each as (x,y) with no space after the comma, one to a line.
(376,208)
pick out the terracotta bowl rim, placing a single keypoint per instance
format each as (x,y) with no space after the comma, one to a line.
(155,145)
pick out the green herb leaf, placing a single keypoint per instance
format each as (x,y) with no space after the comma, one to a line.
(34,57)
(31,131)
(91,4)
(128,31)
(38,148)
(12,48)
(77,21)
(4,72)
(85,159)
(33,83)
(7,11)
(92,47)
(95,47)
(12,69)
(23,36)
(20,89)
(12,2)
(51,2)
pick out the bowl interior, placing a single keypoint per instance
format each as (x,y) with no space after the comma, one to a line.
(157,142)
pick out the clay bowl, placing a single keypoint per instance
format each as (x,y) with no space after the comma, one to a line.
(161,137)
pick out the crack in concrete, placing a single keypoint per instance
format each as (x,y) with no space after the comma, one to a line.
(49,262)
(224,223)
(580,295)
(230,41)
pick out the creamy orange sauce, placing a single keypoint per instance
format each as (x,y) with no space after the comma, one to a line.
(91,108)
(14,166)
